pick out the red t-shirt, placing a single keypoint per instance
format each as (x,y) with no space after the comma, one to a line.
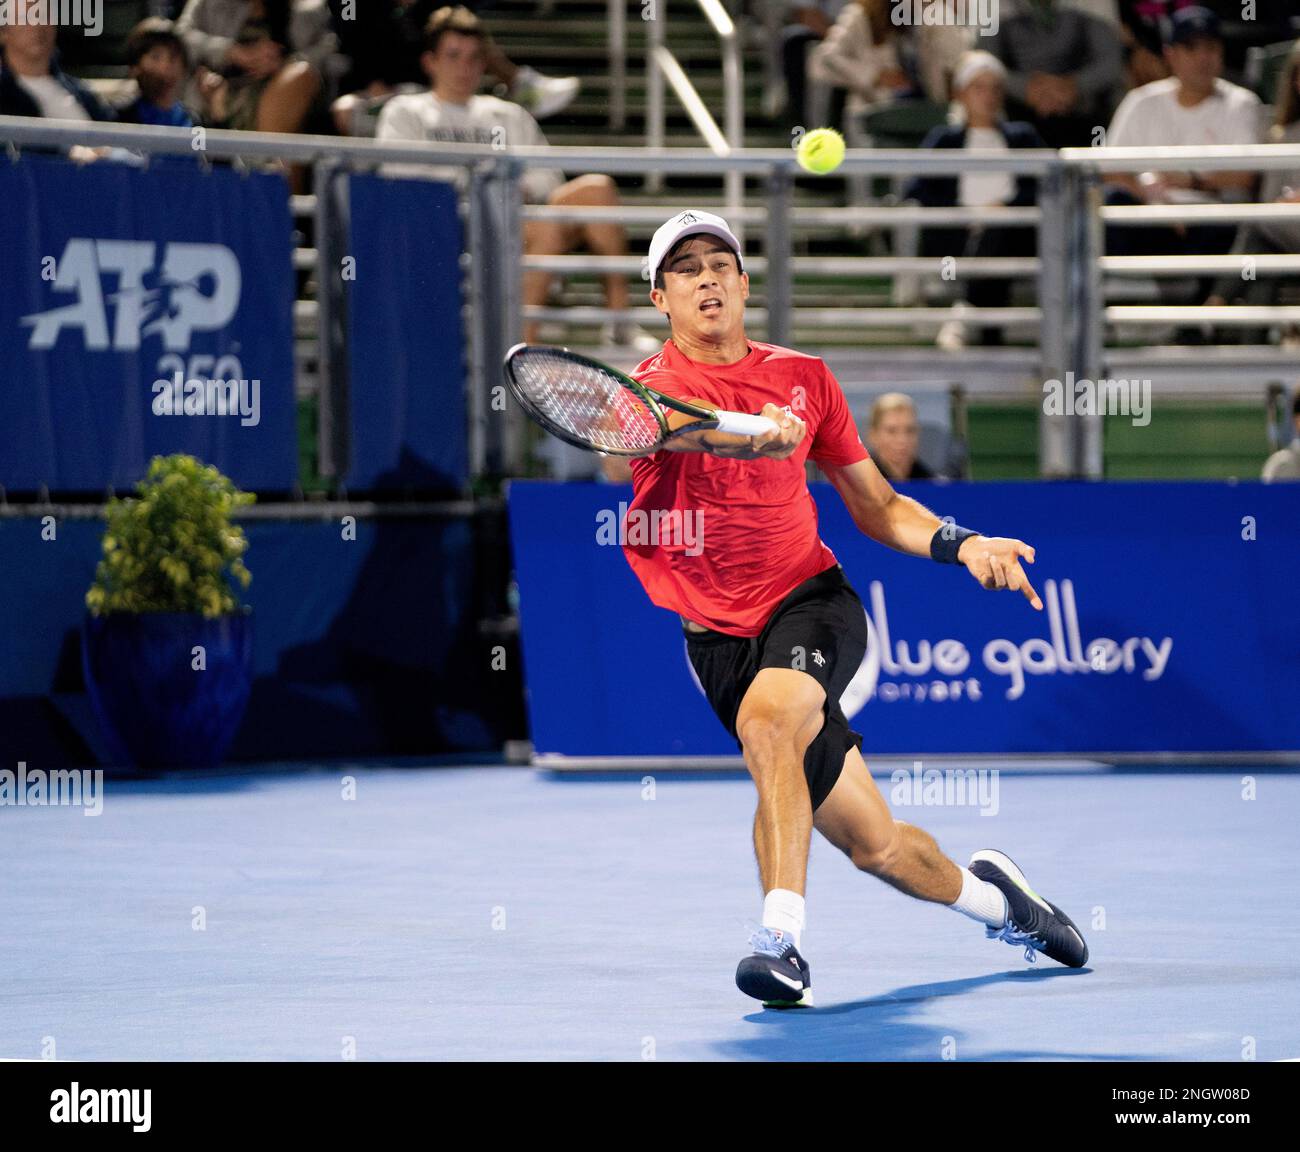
(722,541)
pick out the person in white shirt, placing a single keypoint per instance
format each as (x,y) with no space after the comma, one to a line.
(979,86)
(1194,106)
(452,113)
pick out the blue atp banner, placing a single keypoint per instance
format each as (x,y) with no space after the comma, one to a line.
(143,312)
(1170,625)
(405,334)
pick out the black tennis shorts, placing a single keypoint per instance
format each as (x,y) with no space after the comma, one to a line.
(820,629)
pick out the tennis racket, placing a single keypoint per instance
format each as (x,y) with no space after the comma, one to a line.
(596,407)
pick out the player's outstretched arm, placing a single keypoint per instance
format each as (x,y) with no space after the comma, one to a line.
(908,526)
(776,445)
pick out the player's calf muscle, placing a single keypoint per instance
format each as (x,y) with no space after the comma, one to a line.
(913,863)
(879,859)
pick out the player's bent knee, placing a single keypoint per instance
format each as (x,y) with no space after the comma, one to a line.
(768,731)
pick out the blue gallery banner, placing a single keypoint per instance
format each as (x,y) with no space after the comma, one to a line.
(1171,624)
(142,312)
(407,366)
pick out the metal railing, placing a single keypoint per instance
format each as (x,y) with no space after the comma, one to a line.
(616,41)
(1093,357)
(661,64)
(1070,315)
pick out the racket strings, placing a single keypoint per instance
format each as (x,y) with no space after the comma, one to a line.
(586,402)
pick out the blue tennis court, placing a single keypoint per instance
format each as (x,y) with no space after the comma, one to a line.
(504,913)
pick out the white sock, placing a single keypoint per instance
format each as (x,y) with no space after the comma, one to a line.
(783,909)
(980,900)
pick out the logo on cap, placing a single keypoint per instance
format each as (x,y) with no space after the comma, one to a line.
(686,218)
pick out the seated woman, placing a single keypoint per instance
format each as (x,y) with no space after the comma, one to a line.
(861,53)
(877,61)
(258,60)
(979,89)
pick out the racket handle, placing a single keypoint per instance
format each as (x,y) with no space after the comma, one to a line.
(743,424)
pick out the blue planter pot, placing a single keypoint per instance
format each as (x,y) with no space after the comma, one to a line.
(155,709)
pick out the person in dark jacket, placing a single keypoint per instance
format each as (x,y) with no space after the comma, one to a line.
(31,81)
(978,85)
(1065,68)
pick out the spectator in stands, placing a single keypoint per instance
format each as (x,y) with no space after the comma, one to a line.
(31,81)
(861,54)
(978,86)
(878,61)
(1142,30)
(259,59)
(452,113)
(1064,69)
(1284,464)
(932,51)
(893,437)
(384,41)
(160,66)
(806,24)
(1194,106)
(1277,186)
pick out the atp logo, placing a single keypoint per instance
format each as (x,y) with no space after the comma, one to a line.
(123,294)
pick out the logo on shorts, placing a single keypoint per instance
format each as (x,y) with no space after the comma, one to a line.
(818,657)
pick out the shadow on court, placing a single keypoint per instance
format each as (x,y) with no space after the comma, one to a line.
(880,1027)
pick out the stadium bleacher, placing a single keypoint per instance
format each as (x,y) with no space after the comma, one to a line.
(575,39)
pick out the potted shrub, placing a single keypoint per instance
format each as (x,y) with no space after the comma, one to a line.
(167,645)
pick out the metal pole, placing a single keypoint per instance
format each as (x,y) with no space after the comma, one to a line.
(617,65)
(333,427)
(654,88)
(509,252)
(1054,429)
(734,89)
(1090,313)
(483,307)
(780,280)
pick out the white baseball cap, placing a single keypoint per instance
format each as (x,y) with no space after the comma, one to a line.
(688,224)
(975,63)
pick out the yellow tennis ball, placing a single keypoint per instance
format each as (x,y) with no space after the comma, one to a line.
(820,151)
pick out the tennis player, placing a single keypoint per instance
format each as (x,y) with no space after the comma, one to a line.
(774,630)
